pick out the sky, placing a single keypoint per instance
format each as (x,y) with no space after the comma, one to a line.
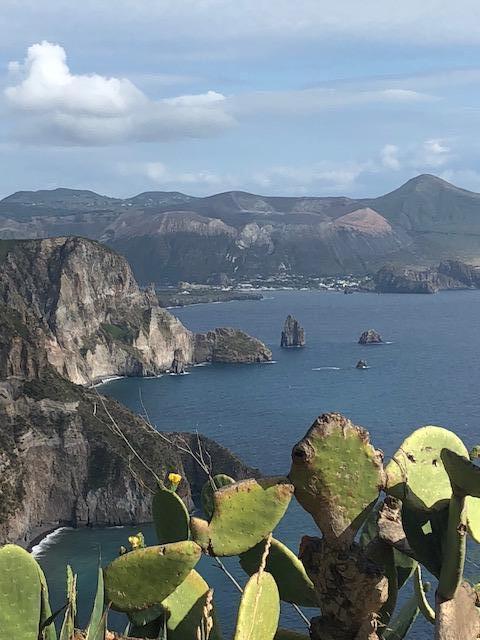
(275,97)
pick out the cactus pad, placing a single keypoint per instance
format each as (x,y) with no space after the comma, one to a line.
(142,578)
(416,473)
(337,476)
(48,631)
(288,571)
(20,594)
(220,480)
(259,609)
(464,475)
(183,609)
(170,517)
(244,514)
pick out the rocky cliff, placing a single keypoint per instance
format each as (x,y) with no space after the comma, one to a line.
(450,274)
(64,462)
(95,320)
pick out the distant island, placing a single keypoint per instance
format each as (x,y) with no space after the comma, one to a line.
(169,237)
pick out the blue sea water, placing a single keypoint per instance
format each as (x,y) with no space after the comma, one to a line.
(427,372)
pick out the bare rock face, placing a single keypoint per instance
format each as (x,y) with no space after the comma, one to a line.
(93,319)
(178,364)
(63,464)
(230,346)
(293,335)
(370,337)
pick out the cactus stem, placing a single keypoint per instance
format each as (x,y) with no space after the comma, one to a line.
(451,574)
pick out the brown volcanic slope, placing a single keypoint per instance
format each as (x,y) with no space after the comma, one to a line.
(170,236)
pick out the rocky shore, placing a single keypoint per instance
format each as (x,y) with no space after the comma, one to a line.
(67,459)
(449,274)
(93,320)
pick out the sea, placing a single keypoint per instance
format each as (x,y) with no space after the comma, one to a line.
(427,371)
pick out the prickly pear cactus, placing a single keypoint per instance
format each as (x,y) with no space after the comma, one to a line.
(416,473)
(183,610)
(20,594)
(244,513)
(48,631)
(288,571)
(351,589)
(142,578)
(170,516)
(337,476)
(220,480)
(259,609)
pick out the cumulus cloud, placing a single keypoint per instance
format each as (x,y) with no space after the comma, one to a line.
(429,154)
(389,157)
(58,106)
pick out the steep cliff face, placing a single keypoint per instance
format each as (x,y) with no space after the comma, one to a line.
(450,274)
(96,320)
(63,460)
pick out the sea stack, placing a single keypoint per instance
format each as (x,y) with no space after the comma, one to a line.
(361,364)
(370,337)
(178,364)
(293,335)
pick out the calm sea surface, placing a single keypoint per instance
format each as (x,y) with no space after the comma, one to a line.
(427,373)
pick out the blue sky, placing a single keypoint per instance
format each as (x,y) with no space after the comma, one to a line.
(271,96)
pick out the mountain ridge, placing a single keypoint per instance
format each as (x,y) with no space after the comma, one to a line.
(169,236)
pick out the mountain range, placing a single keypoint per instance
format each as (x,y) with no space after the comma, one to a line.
(171,236)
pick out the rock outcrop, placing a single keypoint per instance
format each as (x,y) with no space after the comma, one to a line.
(361,364)
(450,274)
(178,364)
(229,345)
(94,319)
(370,337)
(63,462)
(293,335)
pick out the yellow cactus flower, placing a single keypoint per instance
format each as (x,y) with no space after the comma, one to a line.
(137,542)
(175,478)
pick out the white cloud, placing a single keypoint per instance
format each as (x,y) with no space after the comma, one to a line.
(434,153)
(389,157)
(303,179)
(307,101)
(159,174)
(429,154)
(431,21)
(57,106)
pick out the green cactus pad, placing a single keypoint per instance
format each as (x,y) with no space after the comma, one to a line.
(464,475)
(244,514)
(48,631)
(401,625)
(170,517)
(292,581)
(183,609)
(68,626)
(20,594)
(425,539)
(259,609)
(142,578)
(220,480)
(473,517)
(337,476)
(416,473)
